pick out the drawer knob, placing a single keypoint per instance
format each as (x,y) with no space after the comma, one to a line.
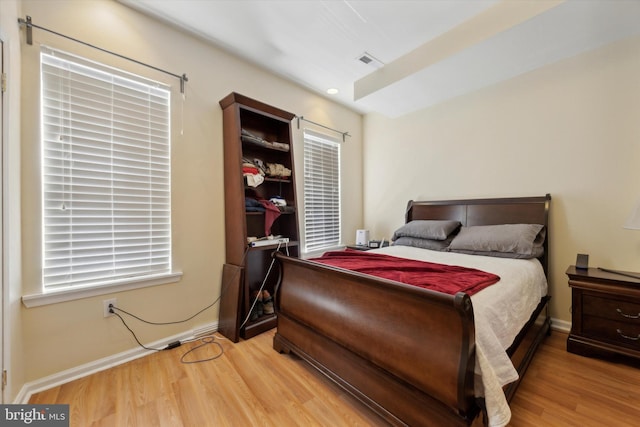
(627,337)
(628,316)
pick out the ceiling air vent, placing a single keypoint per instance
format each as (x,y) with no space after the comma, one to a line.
(368,59)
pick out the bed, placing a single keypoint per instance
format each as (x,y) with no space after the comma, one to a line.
(413,355)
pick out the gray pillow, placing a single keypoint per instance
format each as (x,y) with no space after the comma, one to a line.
(434,245)
(427,229)
(505,240)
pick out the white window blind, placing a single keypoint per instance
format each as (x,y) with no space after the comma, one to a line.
(321,191)
(106,176)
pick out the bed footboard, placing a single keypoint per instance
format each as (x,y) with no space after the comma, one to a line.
(406,352)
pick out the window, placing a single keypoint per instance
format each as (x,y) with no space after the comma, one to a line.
(321,191)
(106,176)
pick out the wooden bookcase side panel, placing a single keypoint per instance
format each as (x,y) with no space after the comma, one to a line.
(228,321)
(234,184)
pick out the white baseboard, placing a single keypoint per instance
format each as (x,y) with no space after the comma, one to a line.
(205,330)
(560,325)
(108,362)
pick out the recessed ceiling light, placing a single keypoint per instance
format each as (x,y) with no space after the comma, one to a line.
(332,91)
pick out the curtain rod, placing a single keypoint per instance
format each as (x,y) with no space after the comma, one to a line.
(344,134)
(27,22)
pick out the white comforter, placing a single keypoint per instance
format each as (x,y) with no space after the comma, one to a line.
(500,311)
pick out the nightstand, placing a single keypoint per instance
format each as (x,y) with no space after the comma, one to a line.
(605,313)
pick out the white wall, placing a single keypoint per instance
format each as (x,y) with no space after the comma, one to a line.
(13,348)
(570,129)
(65,335)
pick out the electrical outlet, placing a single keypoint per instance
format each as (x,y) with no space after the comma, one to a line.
(105,306)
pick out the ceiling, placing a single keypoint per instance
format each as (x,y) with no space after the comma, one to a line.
(424,51)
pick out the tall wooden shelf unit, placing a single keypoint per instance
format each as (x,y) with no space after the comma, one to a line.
(246,267)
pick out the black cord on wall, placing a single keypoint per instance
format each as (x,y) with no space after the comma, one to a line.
(207,340)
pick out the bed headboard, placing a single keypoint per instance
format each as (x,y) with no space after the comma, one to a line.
(514,210)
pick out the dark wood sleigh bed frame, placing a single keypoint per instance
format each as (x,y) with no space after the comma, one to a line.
(407,353)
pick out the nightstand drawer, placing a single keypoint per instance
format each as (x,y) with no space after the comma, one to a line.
(615,332)
(609,308)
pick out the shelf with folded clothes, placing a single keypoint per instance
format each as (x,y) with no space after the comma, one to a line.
(254,204)
(257,172)
(253,137)
(276,146)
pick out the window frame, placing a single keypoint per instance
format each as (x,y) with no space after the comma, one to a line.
(136,167)
(325,145)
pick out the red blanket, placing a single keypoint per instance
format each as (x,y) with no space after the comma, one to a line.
(448,279)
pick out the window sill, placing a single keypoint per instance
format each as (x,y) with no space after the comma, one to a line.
(319,252)
(54,297)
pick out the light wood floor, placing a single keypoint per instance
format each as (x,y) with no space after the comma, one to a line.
(252,385)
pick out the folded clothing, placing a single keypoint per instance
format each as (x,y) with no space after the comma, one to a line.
(278,170)
(250,170)
(252,205)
